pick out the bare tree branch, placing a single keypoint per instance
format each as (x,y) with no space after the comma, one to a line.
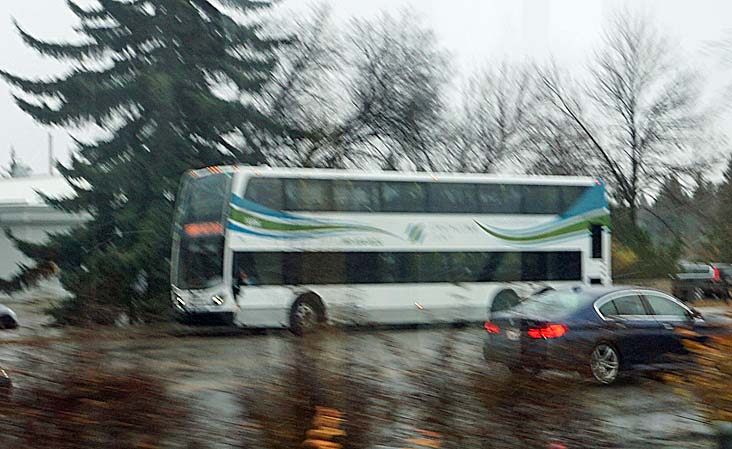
(643,118)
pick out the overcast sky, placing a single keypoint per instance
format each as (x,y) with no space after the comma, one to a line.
(474,31)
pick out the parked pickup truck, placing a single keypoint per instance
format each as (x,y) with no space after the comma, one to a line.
(696,281)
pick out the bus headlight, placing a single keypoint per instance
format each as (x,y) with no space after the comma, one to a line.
(180,303)
(217,300)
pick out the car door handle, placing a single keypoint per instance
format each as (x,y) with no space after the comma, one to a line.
(668,326)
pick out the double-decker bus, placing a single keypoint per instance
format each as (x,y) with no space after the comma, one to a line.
(271,247)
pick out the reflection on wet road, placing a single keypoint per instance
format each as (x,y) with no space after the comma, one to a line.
(423,377)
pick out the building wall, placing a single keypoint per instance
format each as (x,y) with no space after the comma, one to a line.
(31,223)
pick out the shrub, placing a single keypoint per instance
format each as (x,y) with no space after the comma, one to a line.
(281,412)
(83,403)
(709,380)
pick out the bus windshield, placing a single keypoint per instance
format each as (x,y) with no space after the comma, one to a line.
(200,262)
(198,240)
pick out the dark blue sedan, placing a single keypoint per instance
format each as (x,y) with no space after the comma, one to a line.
(598,331)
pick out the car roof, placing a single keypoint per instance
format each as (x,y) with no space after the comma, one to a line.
(598,291)
(588,295)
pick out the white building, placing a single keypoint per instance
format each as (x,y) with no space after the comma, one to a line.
(26,215)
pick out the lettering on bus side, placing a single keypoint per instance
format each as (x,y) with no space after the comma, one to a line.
(362,241)
(448,232)
(455,228)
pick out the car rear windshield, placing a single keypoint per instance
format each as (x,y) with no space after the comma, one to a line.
(694,269)
(554,304)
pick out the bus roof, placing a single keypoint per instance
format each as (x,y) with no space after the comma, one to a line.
(324,173)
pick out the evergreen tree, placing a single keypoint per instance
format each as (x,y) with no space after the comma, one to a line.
(664,222)
(702,218)
(721,236)
(704,194)
(175,84)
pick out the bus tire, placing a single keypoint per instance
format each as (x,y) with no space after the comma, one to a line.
(505,299)
(306,314)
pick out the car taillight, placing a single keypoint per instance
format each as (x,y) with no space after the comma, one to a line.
(491,328)
(716,274)
(548,331)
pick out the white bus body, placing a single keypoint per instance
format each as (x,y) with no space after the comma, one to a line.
(381,247)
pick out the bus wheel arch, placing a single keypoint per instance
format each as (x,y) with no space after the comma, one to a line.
(307,313)
(543,290)
(504,299)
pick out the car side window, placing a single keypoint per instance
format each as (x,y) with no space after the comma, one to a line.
(608,309)
(629,305)
(666,307)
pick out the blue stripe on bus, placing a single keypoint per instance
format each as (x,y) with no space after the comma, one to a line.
(590,200)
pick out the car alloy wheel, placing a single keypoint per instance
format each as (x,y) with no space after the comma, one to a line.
(605,364)
(306,317)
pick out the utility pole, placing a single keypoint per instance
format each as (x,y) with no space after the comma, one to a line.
(50,154)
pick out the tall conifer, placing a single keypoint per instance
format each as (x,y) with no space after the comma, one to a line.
(721,236)
(174,83)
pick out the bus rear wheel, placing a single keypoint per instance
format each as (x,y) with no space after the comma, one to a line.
(306,315)
(504,300)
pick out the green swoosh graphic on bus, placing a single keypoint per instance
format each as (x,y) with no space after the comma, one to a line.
(560,231)
(251,220)
(257,222)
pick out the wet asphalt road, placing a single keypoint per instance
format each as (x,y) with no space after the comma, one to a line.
(211,368)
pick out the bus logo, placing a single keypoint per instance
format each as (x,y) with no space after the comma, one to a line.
(415,232)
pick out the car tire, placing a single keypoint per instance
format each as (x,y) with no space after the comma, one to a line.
(692,295)
(604,364)
(306,315)
(5,384)
(8,322)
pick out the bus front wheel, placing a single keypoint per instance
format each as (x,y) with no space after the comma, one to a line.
(306,314)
